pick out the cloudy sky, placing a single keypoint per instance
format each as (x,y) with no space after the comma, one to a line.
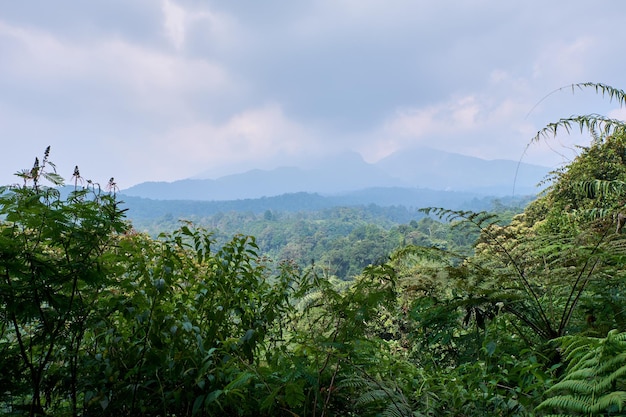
(168,89)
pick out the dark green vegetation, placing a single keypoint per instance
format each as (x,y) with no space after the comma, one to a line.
(96,319)
(341,240)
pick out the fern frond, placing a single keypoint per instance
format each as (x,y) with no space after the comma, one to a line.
(590,384)
(604,384)
(371,396)
(354,382)
(376,395)
(590,122)
(574,386)
(398,410)
(309,300)
(481,219)
(610,363)
(586,372)
(613,399)
(604,89)
(618,249)
(602,187)
(572,404)
(593,122)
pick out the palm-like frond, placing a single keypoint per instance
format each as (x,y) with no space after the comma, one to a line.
(481,219)
(606,90)
(590,122)
(593,123)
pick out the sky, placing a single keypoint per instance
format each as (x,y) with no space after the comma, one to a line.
(161,90)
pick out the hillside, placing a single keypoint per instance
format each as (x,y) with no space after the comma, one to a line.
(401,203)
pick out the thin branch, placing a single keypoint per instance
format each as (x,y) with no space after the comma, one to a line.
(604,89)
(569,309)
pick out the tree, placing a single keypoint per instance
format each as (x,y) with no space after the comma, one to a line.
(554,270)
(54,265)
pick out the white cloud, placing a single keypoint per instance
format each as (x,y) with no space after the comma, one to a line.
(463,114)
(250,139)
(149,79)
(159,81)
(488,125)
(174,22)
(180,85)
(565,62)
(36,56)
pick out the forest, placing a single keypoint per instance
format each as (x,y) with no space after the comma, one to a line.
(516,311)
(342,239)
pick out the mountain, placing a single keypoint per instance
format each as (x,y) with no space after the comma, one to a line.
(439,170)
(348,173)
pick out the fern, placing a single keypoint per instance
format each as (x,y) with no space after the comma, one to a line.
(601,188)
(487,223)
(376,397)
(594,382)
(590,122)
(480,219)
(593,122)
(604,89)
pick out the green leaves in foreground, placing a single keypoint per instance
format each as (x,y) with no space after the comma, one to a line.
(55,261)
(595,380)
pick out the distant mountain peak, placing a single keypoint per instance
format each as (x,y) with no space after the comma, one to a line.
(348,172)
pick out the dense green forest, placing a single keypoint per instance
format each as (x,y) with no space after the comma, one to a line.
(342,240)
(99,319)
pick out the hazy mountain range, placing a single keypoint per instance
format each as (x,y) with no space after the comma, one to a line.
(348,173)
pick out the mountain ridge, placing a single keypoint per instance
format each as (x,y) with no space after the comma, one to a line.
(348,172)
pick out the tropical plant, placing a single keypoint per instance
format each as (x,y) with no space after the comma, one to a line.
(54,266)
(594,383)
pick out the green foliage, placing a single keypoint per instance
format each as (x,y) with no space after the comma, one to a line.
(54,264)
(189,328)
(99,320)
(501,384)
(343,240)
(592,123)
(340,325)
(461,318)
(594,382)
(552,271)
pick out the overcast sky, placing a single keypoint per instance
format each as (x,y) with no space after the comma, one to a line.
(164,90)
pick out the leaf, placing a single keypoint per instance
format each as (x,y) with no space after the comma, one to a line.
(294,393)
(54,178)
(248,335)
(213,396)
(104,403)
(197,404)
(238,382)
